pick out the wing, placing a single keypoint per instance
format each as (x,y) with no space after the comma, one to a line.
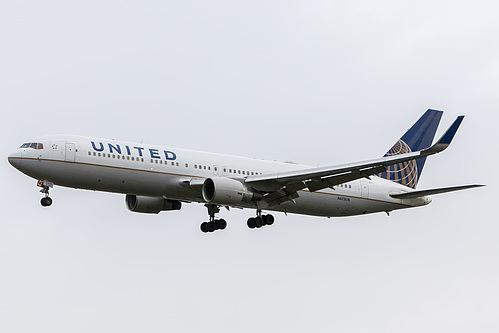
(282,187)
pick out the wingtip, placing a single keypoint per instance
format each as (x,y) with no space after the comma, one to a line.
(445,139)
(451,132)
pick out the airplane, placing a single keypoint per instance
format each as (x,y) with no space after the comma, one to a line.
(158,178)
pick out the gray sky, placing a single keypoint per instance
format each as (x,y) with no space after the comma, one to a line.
(312,81)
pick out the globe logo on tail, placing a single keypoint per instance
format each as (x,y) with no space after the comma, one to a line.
(405,173)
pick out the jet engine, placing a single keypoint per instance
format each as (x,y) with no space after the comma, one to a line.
(227,191)
(151,205)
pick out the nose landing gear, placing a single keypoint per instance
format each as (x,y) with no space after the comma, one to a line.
(45,185)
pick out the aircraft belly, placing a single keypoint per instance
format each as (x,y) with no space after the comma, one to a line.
(107,179)
(332,205)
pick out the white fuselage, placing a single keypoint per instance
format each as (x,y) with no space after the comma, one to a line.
(157,171)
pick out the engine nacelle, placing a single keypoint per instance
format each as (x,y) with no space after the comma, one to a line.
(151,205)
(227,191)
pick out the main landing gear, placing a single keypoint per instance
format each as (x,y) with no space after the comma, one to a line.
(260,220)
(213,224)
(220,224)
(45,185)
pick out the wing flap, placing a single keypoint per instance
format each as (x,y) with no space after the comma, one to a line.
(318,184)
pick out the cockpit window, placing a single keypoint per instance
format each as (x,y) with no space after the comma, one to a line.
(34,145)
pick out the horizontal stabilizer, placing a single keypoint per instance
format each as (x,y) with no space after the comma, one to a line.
(423,193)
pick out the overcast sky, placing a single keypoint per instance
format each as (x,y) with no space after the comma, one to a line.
(316,82)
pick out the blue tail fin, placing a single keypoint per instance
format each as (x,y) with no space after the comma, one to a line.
(418,137)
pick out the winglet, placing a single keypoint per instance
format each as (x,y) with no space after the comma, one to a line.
(445,140)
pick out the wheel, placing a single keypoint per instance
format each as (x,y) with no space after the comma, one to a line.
(46,201)
(251,222)
(212,226)
(221,224)
(258,222)
(204,227)
(269,219)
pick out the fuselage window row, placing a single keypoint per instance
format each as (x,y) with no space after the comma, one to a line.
(138,159)
(196,166)
(244,172)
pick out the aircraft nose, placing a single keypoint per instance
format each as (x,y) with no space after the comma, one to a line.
(15,158)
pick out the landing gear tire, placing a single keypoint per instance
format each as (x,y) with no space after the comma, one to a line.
(46,201)
(204,227)
(260,221)
(221,224)
(269,219)
(212,226)
(251,223)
